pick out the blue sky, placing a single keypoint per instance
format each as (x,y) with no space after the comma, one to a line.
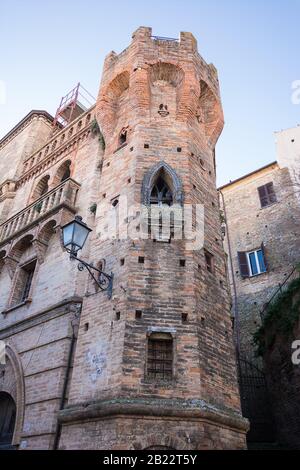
(47,47)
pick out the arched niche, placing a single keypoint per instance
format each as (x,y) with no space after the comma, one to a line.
(209,113)
(112,111)
(7,418)
(12,386)
(165,87)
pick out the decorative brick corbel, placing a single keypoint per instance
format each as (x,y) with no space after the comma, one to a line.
(40,249)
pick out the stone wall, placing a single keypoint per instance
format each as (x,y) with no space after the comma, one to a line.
(283,379)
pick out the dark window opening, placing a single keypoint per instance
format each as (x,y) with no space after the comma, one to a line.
(138,314)
(160,356)
(24,282)
(182,263)
(184,317)
(7,418)
(161,193)
(123,137)
(141,259)
(66,174)
(209,261)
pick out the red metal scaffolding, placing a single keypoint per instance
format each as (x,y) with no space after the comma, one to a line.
(72,105)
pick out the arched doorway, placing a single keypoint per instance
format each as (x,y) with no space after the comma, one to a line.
(7,419)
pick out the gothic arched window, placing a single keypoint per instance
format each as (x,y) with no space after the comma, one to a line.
(161,193)
(7,418)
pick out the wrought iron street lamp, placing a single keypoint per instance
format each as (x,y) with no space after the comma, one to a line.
(74,235)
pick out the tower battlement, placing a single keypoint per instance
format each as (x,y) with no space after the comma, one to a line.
(160,75)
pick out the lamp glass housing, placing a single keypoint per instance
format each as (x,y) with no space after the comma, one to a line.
(75,234)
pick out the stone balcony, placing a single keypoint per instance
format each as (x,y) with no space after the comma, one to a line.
(63,196)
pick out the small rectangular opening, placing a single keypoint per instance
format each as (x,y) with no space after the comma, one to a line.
(182,263)
(138,314)
(184,317)
(141,259)
(209,261)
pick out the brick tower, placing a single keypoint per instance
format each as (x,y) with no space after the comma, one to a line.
(154,365)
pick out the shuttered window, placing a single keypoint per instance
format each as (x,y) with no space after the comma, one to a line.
(267,194)
(252,262)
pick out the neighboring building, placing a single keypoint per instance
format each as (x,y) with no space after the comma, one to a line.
(152,366)
(261,214)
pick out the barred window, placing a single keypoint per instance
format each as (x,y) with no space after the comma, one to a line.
(160,356)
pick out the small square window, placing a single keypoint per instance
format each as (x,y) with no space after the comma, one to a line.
(141,259)
(138,314)
(182,263)
(184,317)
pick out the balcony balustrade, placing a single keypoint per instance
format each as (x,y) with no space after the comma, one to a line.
(64,195)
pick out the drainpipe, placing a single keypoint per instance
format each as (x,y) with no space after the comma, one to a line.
(74,325)
(235,308)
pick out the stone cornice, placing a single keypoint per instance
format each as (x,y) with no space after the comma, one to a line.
(168,408)
(55,310)
(24,123)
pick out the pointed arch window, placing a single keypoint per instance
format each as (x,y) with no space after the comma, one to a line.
(161,193)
